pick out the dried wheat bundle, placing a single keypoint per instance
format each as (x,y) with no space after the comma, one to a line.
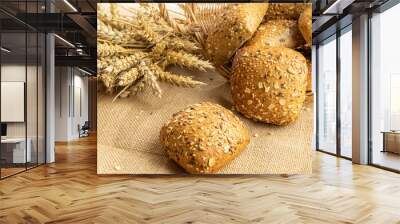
(136,44)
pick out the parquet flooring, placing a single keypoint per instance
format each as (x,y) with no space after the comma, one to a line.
(10,171)
(69,191)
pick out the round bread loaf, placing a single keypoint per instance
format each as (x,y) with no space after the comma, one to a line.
(232,29)
(204,137)
(269,84)
(305,24)
(278,33)
(290,11)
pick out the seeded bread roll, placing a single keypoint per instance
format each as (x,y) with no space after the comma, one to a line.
(232,29)
(278,33)
(204,137)
(305,24)
(269,84)
(290,11)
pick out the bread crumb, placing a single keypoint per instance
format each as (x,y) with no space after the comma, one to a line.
(255,135)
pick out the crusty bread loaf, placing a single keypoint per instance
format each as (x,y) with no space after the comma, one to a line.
(290,11)
(278,33)
(305,24)
(268,83)
(232,29)
(204,137)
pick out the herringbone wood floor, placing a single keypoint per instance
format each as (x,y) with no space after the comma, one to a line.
(69,191)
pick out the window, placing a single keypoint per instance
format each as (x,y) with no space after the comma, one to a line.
(385,89)
(326,96)
(22,77)
(346,74)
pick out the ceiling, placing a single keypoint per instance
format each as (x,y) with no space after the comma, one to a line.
(329,16)
(72,20)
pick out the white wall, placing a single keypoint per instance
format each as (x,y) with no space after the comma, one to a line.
(62,81)
(80,84)
(33,127)
(14,72)
(70,83)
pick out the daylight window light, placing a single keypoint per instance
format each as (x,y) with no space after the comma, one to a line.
(329,9)
(5,50)
(70,5)
(337,7)
(86,72)
(64,40)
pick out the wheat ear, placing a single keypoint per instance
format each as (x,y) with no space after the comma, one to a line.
(139,87)
(176,43)
(146,31)
(187,60)
(149,79)
(109,33)
(102,64)
(128,77)
(177,80)
(124,63)
(107,50)
(134,89)
(107,79)
(158,50)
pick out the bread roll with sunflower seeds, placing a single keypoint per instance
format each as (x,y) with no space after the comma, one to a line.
(204,137)
(269,84)
(232,29)
(305,24)
(278,33)
(290,11)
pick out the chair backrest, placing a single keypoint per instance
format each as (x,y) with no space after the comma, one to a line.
(86,125)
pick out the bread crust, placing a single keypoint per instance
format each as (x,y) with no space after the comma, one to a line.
(305,24)
(204,137)
(278,33)
(268,83)
(232,29)
(289,11)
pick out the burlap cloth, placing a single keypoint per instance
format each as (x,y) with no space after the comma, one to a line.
(128,133)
